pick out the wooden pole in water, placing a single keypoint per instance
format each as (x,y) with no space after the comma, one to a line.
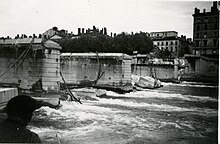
(69,89)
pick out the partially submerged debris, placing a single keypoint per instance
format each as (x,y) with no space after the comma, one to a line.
(145,82)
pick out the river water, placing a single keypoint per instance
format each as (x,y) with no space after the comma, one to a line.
(184,113)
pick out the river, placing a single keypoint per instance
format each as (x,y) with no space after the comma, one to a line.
(185,113)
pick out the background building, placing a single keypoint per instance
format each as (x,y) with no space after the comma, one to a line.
(206,31)
(204,57)
(169,40)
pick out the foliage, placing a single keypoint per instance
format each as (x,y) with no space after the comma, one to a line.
(121,43)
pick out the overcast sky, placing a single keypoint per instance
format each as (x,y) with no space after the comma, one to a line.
(36,16)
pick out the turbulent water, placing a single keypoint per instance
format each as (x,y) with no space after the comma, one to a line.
(174,114)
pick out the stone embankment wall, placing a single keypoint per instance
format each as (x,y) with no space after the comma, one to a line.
(6,94)
(41,63)
(85,66)
(162,72)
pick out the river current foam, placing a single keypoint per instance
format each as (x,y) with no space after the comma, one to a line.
(154,116)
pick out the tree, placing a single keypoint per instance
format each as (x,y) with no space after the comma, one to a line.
(121,43)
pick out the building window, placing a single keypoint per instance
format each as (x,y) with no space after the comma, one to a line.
(198,27)
(206,27)
(205,42)
(49,51)
(215,42)
(215,34)
(39,54)
(174,49)
(214,51)
(215,19)
(197,43)
(176,43)
(215,26)
(171,49)
(171,43)
(161,43)
(166,43)
(197,35)
(206,20)
(167,48)
(211,68)
(158,43)
(205,35)
(198,20)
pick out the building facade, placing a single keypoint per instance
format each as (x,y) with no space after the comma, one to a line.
(54,33)
(206,31)
(169,40)
(203,61)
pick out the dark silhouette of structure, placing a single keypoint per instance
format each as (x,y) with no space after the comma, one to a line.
(206,31)
(204,57)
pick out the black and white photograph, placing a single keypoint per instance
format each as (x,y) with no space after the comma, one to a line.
(109,71)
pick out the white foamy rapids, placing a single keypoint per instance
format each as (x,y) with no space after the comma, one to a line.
(191,84)
(156,94)
(157,107)
(88,120)
(83,112)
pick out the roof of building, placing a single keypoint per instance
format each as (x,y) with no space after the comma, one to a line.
(19,41)
(26,41)
(164,32)
(165,38)
(94,55)
(56,36)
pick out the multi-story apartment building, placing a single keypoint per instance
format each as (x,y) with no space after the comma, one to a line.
(206,31)
(204,57)
(169,40)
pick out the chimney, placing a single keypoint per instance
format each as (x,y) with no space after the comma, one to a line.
(195,10)
(79,31)
(34,36)
(215,4)
(101,31)
(203,10)
(214,8)
(55,28)
(83,30)
(105,31)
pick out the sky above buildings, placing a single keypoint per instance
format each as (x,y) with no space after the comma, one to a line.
(37,16)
